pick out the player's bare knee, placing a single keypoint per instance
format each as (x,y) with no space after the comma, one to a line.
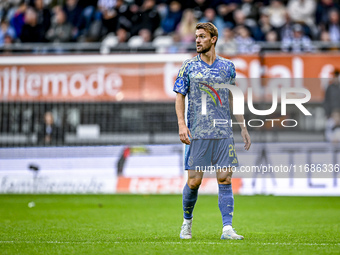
(224,180)
(194,183)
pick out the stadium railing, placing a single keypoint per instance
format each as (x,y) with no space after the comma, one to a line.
(103,48)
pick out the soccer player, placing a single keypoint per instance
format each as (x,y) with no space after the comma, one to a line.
(208,135)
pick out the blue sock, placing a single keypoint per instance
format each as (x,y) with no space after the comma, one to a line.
(226,203)
(189,201)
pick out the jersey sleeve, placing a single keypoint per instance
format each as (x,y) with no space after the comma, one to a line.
(233,74)
(182,80)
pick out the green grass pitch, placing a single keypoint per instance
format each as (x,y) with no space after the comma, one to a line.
(150,224)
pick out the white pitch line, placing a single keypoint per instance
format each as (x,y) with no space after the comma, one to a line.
(161,242)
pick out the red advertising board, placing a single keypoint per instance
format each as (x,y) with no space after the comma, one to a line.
(151,79)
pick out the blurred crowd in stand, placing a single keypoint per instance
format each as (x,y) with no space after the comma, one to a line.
(240,23)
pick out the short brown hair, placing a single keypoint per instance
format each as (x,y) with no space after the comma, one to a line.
(210,28)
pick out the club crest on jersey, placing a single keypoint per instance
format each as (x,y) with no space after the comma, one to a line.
(223,74)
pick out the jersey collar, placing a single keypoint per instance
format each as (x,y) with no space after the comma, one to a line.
(204,63)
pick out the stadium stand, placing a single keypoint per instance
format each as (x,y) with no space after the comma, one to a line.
(92,21)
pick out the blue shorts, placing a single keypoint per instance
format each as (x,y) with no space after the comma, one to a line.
(214,153)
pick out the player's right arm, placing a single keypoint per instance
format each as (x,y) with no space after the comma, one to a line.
(181,87)
(184,131)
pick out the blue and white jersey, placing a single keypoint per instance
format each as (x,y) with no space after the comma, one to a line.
(208,106)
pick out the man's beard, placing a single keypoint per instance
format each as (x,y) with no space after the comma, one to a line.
(203,50)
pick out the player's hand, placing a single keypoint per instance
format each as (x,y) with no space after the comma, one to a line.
(246,139)
(184,134)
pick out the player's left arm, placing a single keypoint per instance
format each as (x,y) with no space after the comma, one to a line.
(240,120)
